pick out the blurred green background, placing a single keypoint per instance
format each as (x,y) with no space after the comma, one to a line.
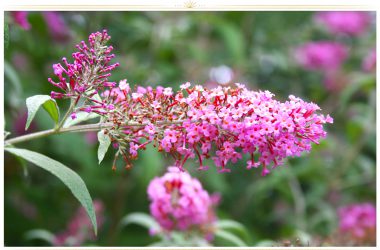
(298,199)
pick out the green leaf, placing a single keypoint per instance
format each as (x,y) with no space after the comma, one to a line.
(40,234)
(233,40)
(81,117)
(360,83)
(162,243)
(104,143)
(65,174)
(33,104)
(15,93)
(233,226)
(12,75)
(141,219)
(229,237)
(266,243)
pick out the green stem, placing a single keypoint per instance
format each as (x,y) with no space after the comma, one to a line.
(77,128)
(72,106)
(40,134)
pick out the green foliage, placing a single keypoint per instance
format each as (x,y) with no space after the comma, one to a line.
(40,234)
(104,144)
(141,219)
(65,174)
(234,227)
(228,238)
(6,36)
(226,231)
(34,103)
(11,76)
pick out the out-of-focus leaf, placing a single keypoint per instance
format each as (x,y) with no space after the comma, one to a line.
(141,219)
(303,237)
(367,165)
(104,144)
(6,36)
(233,226)
(266,243)
(361,83)
(233,39)
(178,239)
(12,75)
(40,234)
(81,117)
(71,179)
(326,217)
(33,104)
(229,237)
(162,243)
(353,130)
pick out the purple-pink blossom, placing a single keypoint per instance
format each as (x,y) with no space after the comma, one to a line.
(358,220)
(57,26)
(179,202)
(233,121)
(321,55)
(369,62)
(21,18)
(353,23)
(89,71)
(79,229)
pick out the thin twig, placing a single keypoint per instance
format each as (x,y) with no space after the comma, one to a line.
(79,128)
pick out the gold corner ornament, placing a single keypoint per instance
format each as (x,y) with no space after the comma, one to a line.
(190,4)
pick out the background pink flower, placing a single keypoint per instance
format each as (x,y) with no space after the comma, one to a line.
(79,228)
(352,23)
(369,62)
(21,18)
(358,220)
(179,202)
(321,55)
(56,25)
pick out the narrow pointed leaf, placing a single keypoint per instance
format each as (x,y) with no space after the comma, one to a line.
(34,103)
(65,174)
(104,143)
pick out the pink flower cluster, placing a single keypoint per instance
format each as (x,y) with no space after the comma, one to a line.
(79,228)
(232,121)
(353,23)
(88,74)
(192,122)
(178,202)
(321,55)
(358,220)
